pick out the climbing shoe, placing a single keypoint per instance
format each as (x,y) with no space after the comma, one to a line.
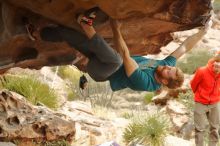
(87,17)
(83,19)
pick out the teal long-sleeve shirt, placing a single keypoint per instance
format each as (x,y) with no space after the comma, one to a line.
(142,79)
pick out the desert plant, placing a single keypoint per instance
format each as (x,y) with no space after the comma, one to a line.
(148,97)
(98,93)
(31,88)
(150,130)
(71,96)
(69,72)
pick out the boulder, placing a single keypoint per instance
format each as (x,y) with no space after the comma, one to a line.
(178,114)
(178,121)
(140,18)
(161,98)
(20,120)
(90,129)
(176,107)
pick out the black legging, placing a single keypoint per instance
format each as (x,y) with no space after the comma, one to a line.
(103,60)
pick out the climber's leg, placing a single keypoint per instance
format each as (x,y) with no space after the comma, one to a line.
(106,60)
(73,37)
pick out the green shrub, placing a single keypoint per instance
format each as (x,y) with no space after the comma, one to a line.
(193,60)
(31,88)
(71,96)
(99,94)
(70,73)
(147,131)
(148,97)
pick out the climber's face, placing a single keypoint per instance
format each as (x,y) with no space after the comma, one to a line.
(166,72)
(169,76)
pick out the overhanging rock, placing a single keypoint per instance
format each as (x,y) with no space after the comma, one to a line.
(146,26)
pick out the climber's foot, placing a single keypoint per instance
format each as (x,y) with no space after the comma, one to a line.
(86,18)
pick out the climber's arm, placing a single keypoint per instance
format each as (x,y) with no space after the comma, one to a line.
(129,63)
(189,43)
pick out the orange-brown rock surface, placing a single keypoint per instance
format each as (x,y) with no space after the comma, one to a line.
(146,26)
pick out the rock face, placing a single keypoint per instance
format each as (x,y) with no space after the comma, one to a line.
(20,120)
(178,114)
(91,130)
(146,26)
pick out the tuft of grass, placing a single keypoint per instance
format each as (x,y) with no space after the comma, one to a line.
(150,130)
(70,73)
(148,97)
(99,94)
(31,88)
(71,96)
